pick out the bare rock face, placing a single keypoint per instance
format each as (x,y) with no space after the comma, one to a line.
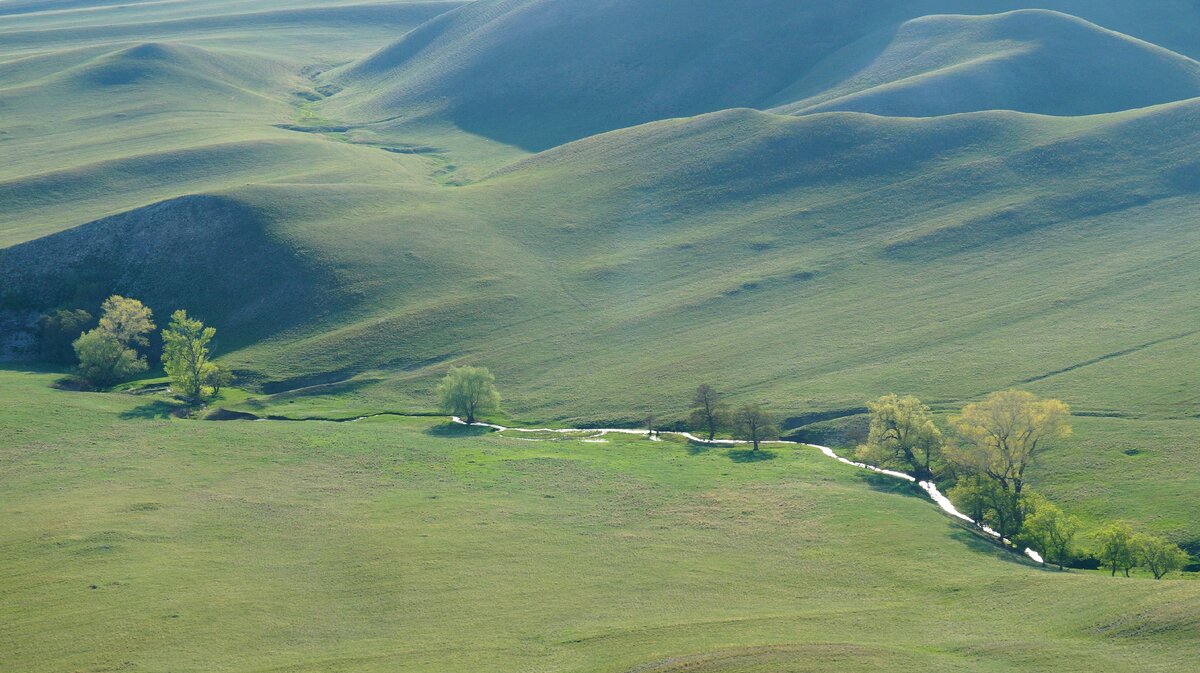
(18,335)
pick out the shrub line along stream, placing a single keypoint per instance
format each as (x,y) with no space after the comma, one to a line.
(597,435)
(928,487)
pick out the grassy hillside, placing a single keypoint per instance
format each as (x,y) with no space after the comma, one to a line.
(147,109)
(627,257)
(400,545)
(538,73)
(359,195)
(1030,61)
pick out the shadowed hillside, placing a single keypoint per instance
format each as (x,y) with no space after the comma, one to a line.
(253,281)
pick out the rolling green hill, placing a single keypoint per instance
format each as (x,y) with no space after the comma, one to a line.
(537,73)
(1029,61)
(606,203)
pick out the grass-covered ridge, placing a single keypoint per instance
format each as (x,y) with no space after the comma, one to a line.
(537,73)
(1030,61)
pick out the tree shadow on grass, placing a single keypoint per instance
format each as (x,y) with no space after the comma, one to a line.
(701,448)
(157,409)
(885,484)
(981,543)
(750,455)
(457,430)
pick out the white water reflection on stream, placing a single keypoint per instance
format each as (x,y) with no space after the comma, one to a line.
(930,488)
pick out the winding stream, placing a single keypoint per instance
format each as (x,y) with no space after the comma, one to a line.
(930,488)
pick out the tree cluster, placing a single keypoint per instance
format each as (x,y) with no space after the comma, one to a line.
(711,415)
(992,445)
(114,350)
(1119,547)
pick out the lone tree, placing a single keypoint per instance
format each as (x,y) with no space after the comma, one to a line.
(1159,555)
(902,432)
(1004,433)
(185,353)
(469,391)
(58,330)
(754,424)
(1115,547)
(1051,532)
(129,320)
(107,354)
(104,361)
(709,412)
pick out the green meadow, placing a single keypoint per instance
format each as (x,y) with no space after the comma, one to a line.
(805,205)
(135,542)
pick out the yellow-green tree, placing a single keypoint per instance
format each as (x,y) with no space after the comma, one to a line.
(1158,554)
(108,354)
(1003,434)
(903,435)
(185,353)
(1051,531)
(129,320)
(468,392)
(1115,547)
(104,360)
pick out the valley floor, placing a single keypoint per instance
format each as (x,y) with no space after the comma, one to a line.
(133,541)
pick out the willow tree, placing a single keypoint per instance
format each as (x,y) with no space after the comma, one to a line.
(104,360)
(468,391)
(902,434)
(1003,435)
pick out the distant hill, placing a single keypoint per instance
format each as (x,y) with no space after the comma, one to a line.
(537,73)
(1030,60)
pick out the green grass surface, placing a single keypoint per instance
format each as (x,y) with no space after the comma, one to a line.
(537,73)
(1031,61)
(354,218)
(401,544)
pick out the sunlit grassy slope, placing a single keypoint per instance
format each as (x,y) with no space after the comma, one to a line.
(1031,61)
(536,73)
(136,542)
(109,117)
(355,217)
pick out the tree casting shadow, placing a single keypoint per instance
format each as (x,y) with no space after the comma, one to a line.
(750,455)
(885,484)
(456,430)
(157,409)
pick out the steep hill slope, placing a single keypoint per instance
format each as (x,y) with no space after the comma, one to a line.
(1030,61)
(255,282)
